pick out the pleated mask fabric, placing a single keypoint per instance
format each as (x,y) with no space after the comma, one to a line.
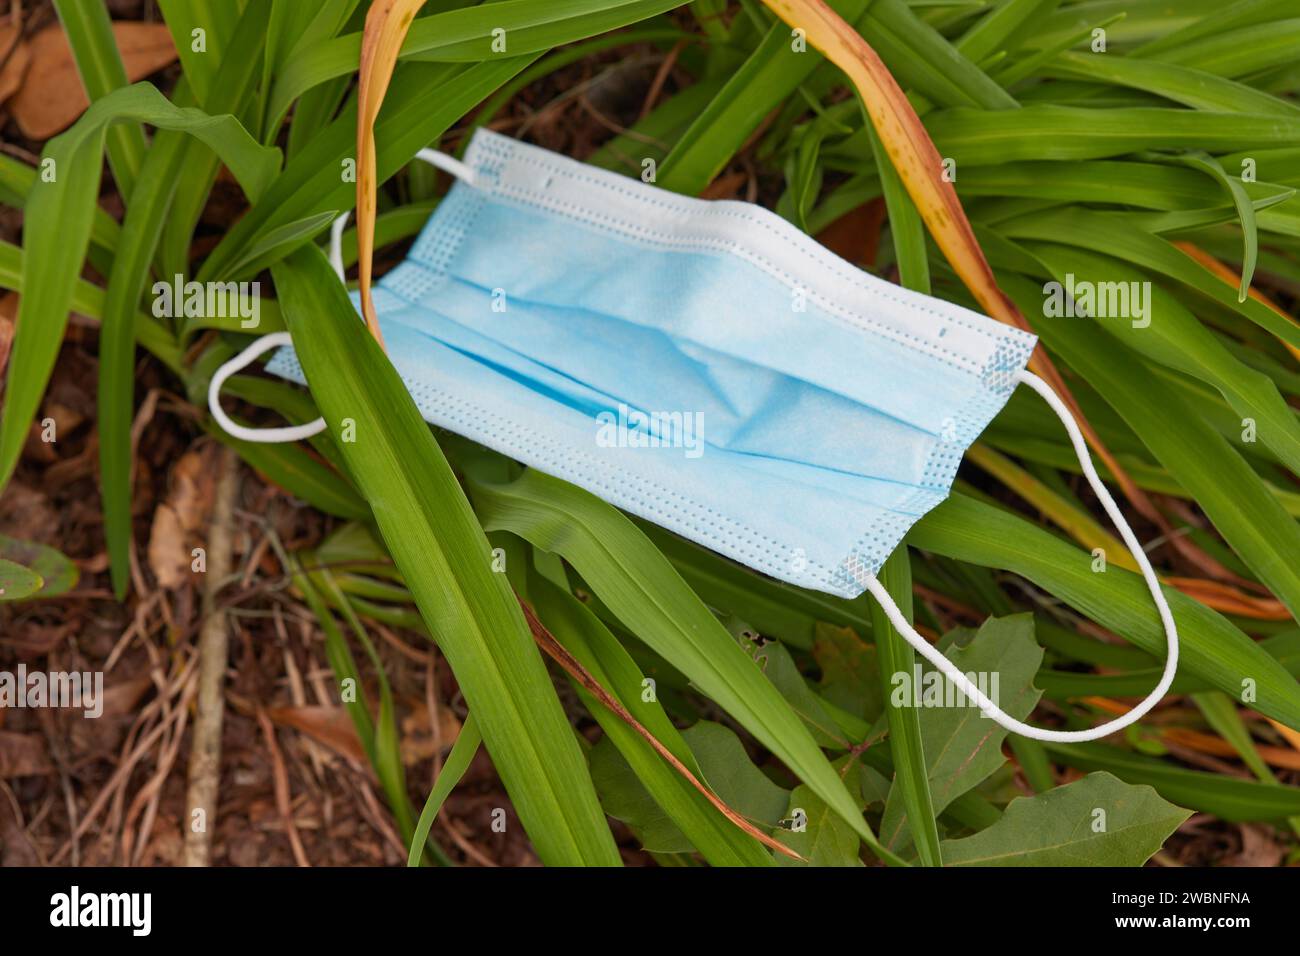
(704,365)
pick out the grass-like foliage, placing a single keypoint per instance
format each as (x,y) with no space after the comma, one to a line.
(1088,144)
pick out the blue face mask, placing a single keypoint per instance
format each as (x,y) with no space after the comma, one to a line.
(703,365)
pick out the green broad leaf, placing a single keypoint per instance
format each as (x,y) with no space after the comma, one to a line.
(1182,84)
(289,21)
(423,101)
(223,27)
(17,582)
(625,797)
(732,776)
(773,607)
(445,560)
(278,243)
(850,671)
(926,62)
(905,225)
(1145,185)
(1240,52)
(54,572)
(59,215)
(1241,201)
(1103,233)
(88,300)
(817,833)
(980,137)
(1000,25)
(297,472)
(774,660)
(16,181)
(1231,493)
(963,748)
(1096,821)
(217,21)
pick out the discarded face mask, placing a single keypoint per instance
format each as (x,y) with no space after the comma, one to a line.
(703,365)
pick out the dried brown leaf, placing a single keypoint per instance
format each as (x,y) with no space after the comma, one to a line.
(178,521)
(330,726)
(16,57)
(23,755)
(51,97)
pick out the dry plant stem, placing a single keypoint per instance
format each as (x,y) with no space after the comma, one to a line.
(1283,757)
(1290,736)
(918,164)
(386,27)
(133,751)
(283,799)
(573,667)
(1225,598)
(205,748)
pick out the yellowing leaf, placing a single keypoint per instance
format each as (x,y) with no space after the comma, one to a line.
(386,27)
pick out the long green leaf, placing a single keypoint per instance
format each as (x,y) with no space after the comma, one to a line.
(1231,798)
(639,584)
(94,50)
(446,562)
(59,214)
(146,212)
(1210,646)
(458,761)
(467,35)
(912,778)
(720,841)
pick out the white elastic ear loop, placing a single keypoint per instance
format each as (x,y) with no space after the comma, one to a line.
(277,339)
(264,435)
(962,682)
(448,164)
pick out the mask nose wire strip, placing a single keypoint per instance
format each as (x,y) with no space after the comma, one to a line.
(973,693)
(278,339)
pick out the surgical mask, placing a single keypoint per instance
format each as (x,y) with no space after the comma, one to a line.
(704,365)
